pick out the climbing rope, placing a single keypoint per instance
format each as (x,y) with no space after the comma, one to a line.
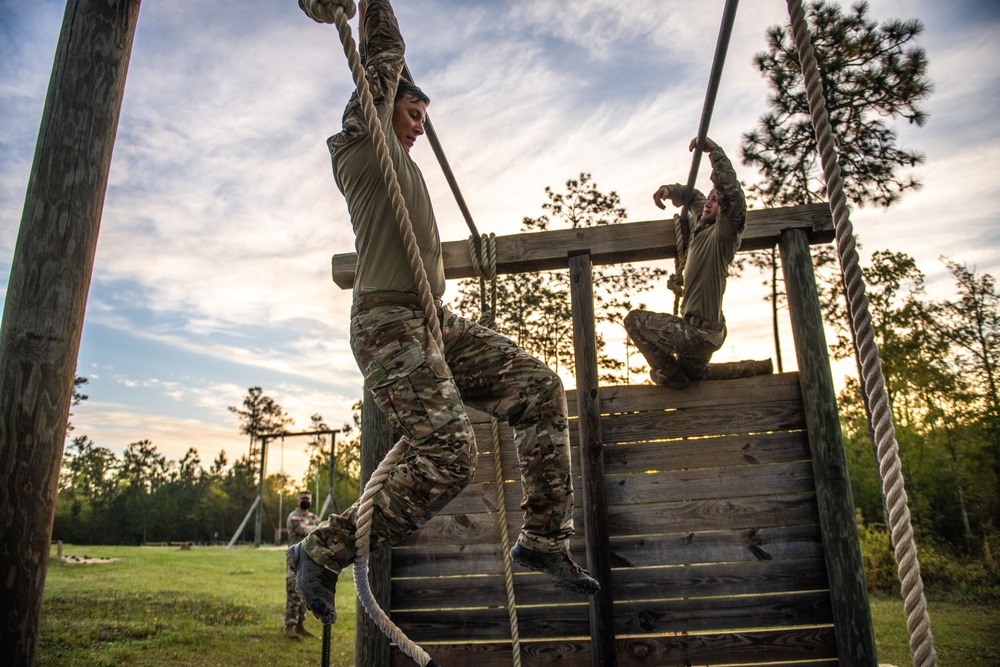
(676,280)
(901,530)
(375,483)
(487,248)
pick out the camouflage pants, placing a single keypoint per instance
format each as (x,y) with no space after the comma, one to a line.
(424,396)
(677,351)
(295,608)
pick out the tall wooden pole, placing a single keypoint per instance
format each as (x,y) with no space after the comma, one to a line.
(47,294)
(852,618)
(371,646)
(595,494)
(259,520)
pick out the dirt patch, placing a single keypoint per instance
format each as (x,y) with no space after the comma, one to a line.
(86,560)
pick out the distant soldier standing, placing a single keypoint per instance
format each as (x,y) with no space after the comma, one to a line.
(678,348)
(300,523)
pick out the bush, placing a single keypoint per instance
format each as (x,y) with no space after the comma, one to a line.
(944,572)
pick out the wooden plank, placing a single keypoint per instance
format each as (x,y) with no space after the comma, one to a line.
(745,449)
(710,483)
(611,244)
(629,584)
(742,450)
(855,637)
(719,614)
(703,421)
(701,515)
(721,546)
(458,530)
(807,647)
(725,546)
(642,397)
(631,618)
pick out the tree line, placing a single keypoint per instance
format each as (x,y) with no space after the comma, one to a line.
(141,496)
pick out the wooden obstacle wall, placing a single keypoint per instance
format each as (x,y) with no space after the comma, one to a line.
(716,548)
(719,520)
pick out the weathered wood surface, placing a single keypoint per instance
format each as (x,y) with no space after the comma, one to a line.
(631,618)
(47,295)
(591,446)
(612,244)
(713,528)
(855,637)
(808,647)
(755,577)
(371,646)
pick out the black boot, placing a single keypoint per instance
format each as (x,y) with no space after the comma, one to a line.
(560,566)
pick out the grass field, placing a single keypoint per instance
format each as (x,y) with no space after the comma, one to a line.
(208,606)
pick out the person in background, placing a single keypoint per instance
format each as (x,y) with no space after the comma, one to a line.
(300,523)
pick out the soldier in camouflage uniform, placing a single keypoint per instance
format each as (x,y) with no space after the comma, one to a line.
(678,348)
(300,523)
(423,391)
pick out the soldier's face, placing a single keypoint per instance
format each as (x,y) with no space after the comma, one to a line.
(711,211)
(408,117)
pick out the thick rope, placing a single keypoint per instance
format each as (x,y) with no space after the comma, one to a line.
(488,248)
(676,280)
(901,530)
(374,485)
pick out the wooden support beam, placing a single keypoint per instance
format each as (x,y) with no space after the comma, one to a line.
(611,244)
(595,495)
(47,295)
(371,647)
(845,570)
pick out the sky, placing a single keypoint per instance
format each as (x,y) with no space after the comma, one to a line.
(212,272)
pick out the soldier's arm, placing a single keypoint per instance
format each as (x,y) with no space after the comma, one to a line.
(382,47)
(732,202)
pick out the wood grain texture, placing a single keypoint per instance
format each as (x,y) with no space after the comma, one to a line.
(611,244)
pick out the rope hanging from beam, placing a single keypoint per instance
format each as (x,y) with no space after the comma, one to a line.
(890,469)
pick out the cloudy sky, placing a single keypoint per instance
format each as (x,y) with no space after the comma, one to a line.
(213,265)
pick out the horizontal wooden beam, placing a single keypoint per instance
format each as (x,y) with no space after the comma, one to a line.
(610,244)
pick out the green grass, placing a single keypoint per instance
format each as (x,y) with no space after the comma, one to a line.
(209,606)
(161,605)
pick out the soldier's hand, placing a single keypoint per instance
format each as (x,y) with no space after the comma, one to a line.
(662,192)
(709,145)
(324,11)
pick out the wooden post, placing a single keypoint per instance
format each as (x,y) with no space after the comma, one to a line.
(260,493)
(371,646)
(845,570)
(331,497)
(47,295)
(595,497)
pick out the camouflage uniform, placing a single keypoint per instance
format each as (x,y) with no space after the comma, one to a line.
(678,349)
(300,523)
(422,392)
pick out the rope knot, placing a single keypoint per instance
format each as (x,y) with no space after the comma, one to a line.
(325,11)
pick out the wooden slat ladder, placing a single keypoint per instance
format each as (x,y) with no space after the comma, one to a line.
(721,545)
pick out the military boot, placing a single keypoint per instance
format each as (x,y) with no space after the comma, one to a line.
(290,632)
(317,585)
(301,629)
(559,566)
